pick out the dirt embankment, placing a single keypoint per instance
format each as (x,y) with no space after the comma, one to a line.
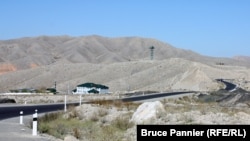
(237,98)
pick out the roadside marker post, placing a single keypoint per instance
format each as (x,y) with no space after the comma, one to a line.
(34,132)
(21,117)
(65,103)
(80,99)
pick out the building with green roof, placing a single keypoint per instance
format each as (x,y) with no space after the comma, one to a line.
(88,88)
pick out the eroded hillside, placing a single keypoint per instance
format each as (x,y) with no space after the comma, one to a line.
(123,64)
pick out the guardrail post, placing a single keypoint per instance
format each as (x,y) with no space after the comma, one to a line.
(21,117)
(34,132)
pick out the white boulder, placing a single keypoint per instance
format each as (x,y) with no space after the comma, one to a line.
(147,112)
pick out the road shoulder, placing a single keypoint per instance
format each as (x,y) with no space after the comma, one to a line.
(12,130)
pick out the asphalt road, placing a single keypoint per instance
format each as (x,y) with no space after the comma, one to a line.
(14,110)
(152,96)
(229,86)
(11,130)
(9,111)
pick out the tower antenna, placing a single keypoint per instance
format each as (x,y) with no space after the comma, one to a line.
(152,52)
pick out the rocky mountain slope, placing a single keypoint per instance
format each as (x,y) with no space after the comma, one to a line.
(242,58)
(27,53)
(123,64)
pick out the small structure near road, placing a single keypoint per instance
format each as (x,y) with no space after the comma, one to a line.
(88,88)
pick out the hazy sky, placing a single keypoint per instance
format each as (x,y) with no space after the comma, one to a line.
(210,27)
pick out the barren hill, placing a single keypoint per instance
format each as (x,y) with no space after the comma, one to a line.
(242,58)
(123,64)
(27,53)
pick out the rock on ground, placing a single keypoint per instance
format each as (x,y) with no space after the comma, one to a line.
(147,111)
(70,138)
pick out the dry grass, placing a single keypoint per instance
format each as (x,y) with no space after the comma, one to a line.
(190,110)
(115,103)
(57,125)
